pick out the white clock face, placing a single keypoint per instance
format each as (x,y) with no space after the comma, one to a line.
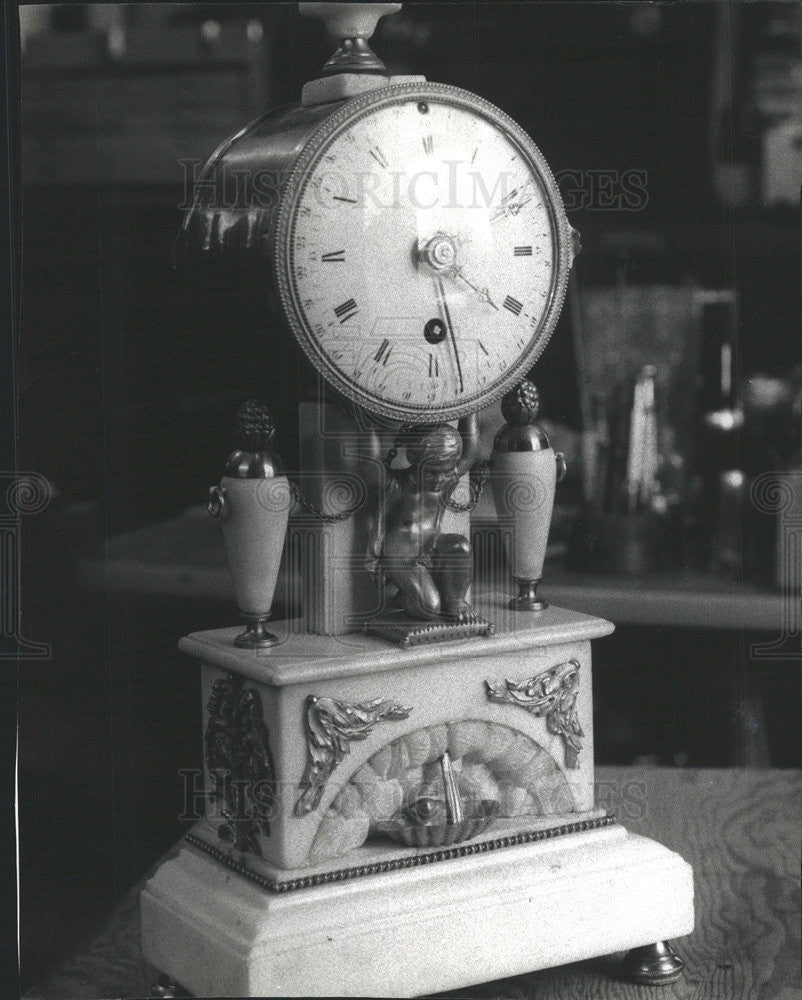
(423,253)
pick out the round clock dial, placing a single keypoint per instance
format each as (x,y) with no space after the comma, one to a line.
(422,252)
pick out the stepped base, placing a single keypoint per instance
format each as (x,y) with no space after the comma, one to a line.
(419,930)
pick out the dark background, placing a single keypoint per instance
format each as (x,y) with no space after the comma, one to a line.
(129,371)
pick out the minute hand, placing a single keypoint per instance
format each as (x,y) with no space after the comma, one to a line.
(450,325)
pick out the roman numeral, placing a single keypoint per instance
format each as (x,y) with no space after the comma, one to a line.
(335,257)
(428,145)
(340,197)
(378,156)
(346,310)
(523,251)
(434,367)
(513,305)
(483,348)
(383,352)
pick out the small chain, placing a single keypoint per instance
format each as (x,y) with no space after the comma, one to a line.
(476,489)
(391,454)
(345,514)
(328,518)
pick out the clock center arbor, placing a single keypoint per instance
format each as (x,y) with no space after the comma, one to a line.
(385,820)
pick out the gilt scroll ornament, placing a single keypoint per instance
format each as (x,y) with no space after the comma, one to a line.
(330,726)
(239,763)
(552,694)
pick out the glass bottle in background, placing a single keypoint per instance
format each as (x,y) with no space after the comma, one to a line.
(632,523)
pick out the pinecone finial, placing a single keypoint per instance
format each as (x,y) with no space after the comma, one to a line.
(521,405)
(254,426)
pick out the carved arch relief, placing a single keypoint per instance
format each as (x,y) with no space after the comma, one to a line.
(492,765)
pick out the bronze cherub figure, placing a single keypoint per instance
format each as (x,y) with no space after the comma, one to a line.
(430,569)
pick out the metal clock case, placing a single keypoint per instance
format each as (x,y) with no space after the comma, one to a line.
(413,239)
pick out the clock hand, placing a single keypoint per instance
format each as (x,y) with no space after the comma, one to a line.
(502,210)
(510,207)
(483,293)
(442,300)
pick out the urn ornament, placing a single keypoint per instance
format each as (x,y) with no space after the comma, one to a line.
(525,471)
(253,503)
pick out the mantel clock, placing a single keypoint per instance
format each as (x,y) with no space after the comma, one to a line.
(400,782)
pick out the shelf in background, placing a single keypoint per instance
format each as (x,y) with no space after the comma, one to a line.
(184,558)
(690,600)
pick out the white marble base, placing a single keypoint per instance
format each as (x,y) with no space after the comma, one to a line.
(418,930)
(440,684)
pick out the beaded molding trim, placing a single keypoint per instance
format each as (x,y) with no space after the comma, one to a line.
(414,861)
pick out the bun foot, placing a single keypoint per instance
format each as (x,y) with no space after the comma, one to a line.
(653,965)
(167,988)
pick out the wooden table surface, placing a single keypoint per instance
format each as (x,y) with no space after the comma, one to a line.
(739,829)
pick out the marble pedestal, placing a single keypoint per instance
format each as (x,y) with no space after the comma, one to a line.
(294,892)
(415,931)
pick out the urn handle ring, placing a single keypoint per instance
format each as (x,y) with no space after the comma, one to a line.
(216,501)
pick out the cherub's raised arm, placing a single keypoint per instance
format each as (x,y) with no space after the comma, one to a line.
(471,443)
